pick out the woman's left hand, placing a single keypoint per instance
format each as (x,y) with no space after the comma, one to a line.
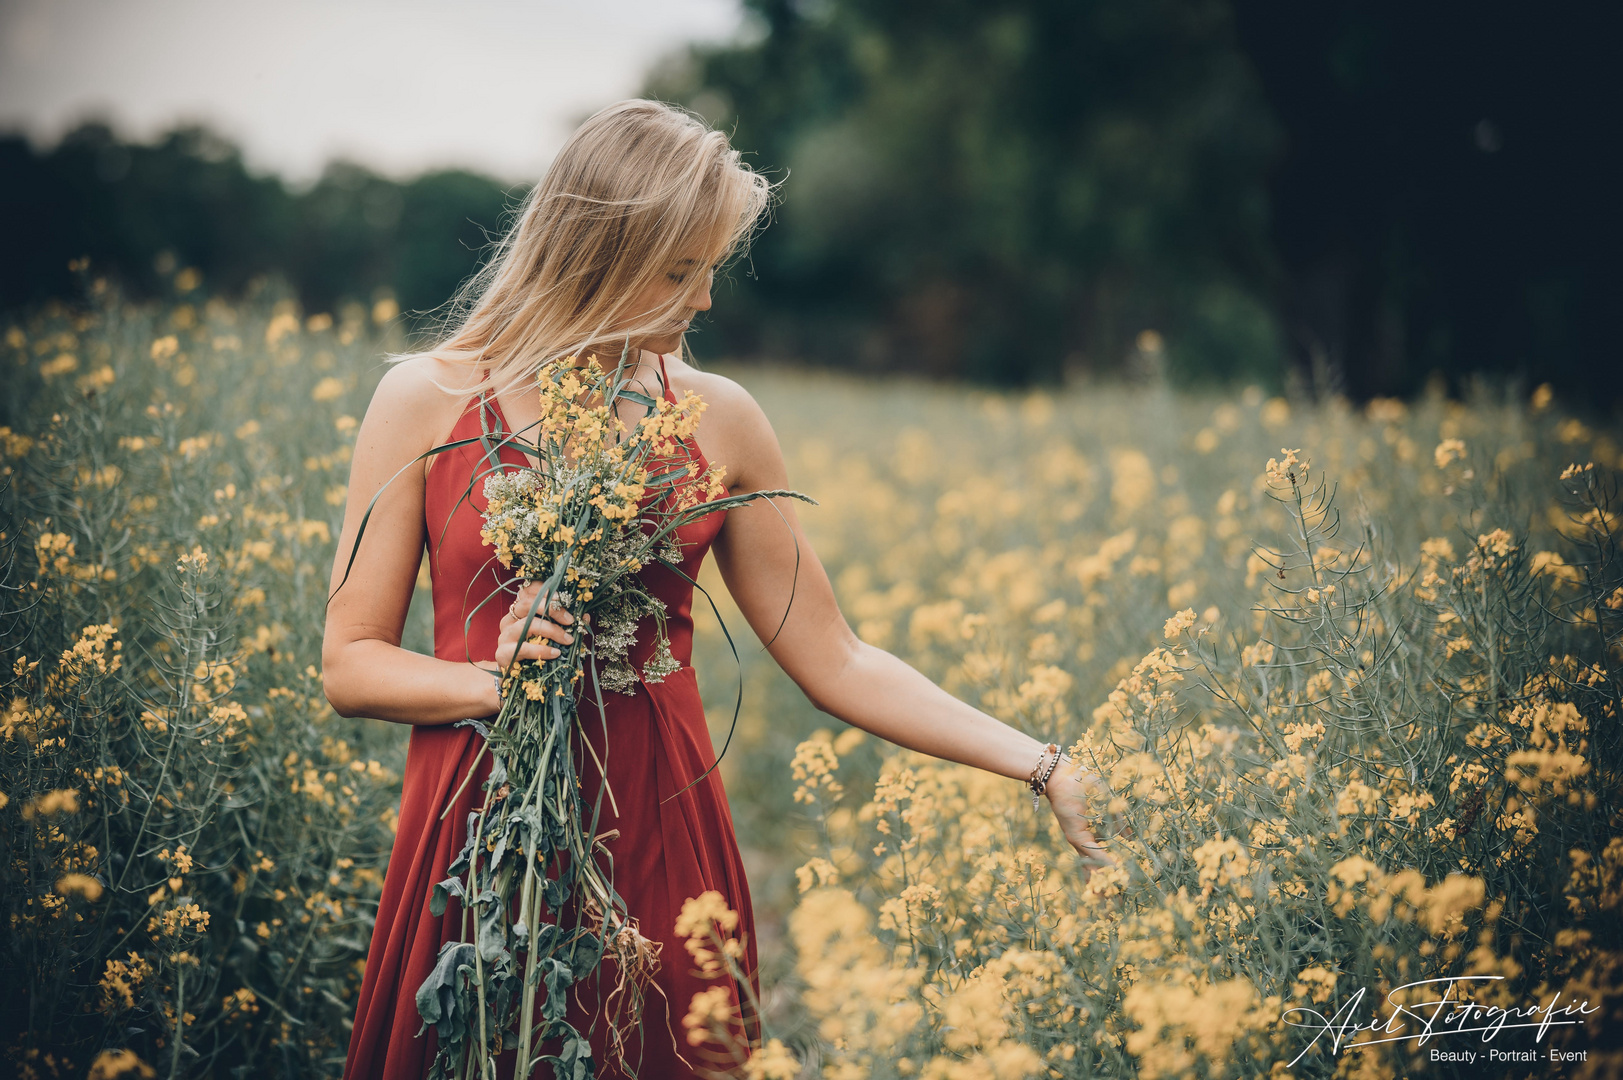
(1066,791)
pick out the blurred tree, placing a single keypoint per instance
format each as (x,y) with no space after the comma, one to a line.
(419,239)
(999,190)
(141,212)
(122,205)
(1011,190)
(1448,198)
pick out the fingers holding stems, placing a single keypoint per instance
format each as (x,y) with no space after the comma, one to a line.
(547,632)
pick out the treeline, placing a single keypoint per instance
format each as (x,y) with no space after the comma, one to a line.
(140,212)
(1363,192)
(1015,191)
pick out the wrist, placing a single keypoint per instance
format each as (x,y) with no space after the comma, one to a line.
(1062,769)
(1048,762)
(490,695)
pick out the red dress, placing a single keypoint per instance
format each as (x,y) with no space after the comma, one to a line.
(658,743)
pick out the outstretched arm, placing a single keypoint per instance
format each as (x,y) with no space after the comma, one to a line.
(865,686)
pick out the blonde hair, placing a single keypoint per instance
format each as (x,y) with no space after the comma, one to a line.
(638,186)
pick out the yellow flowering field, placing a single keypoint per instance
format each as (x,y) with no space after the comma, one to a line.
(1345,675)
(1353,706)
(191,839)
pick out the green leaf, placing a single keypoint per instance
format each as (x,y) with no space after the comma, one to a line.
(441,895)
(492,927)
(558,977)
(584,956)
(436,998)
(574,1061)
(640,398)
(555,893)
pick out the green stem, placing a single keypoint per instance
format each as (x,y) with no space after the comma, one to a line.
(527,912)
(163,772)
(478,961)
(180,1020)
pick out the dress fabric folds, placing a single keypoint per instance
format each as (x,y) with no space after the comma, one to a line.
(654,743)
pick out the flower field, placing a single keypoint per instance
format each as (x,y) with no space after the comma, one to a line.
(1353,706)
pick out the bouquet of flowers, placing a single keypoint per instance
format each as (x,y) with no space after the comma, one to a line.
(606,501)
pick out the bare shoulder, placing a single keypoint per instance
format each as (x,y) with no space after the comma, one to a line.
(414,406)
(728,406)
(735,430)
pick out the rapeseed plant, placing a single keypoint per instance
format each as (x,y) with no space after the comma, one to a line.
(1355,730)
(189,839)
(1372,760)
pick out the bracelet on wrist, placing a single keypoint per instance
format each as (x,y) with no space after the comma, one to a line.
(1047,762)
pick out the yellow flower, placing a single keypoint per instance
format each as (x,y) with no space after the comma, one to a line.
(1290,471)
(1447,902)
(1046,684)
(1180,622)
(240,1002)
(1222,861)
(119,981)
(63,364)
(79,885)
(60,801)
(119,1065)
(1295,734)
(1316,983)
(281,325)
(1181,1023)
(700,913)
(772,1062)
(709,1009)
(814,766)
(817,872)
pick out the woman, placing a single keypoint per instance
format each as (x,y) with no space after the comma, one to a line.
(614,250)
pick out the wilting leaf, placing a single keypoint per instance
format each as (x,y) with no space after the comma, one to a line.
(436,998)
(584,956)
(558,977)
(464,858)
(492,927)
(574,1061)
(555,893)
(441,895)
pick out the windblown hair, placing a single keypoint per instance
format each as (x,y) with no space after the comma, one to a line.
(638,187)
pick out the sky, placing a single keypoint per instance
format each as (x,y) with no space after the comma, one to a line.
(400,86)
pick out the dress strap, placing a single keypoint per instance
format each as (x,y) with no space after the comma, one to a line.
(665,380)
(490,407)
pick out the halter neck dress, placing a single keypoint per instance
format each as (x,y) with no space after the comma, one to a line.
(657,744)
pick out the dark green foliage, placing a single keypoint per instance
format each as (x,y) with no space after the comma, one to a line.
(141,212)
(1447,198)
(999,191)
(1366,193)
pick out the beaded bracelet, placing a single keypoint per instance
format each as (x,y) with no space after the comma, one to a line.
(1040,775)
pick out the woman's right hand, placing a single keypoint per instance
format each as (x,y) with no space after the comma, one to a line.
(1067,795)
(547,630)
